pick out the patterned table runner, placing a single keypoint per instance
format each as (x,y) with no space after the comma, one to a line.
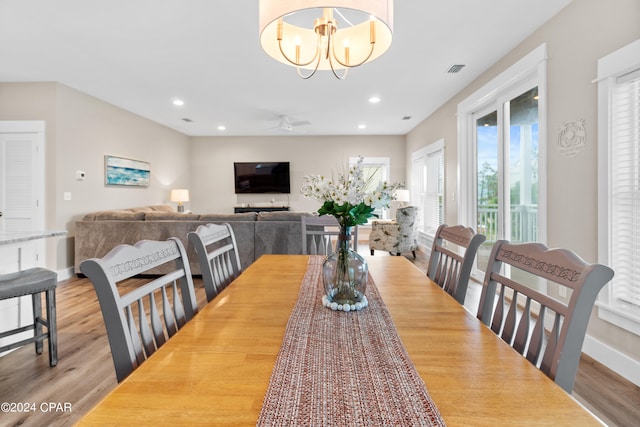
(344,368)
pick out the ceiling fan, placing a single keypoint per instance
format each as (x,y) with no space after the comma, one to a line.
(286,125)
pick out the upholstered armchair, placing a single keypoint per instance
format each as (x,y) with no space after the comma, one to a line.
(395,236)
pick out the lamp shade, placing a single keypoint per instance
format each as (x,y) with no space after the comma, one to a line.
(179,195)
(358,36)
(403,195)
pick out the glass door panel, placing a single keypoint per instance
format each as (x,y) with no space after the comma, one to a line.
(487,198)
(523,167)
(507,172)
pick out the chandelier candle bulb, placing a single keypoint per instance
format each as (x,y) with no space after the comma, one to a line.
(367,24)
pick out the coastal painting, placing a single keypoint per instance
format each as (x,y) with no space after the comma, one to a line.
(121,171)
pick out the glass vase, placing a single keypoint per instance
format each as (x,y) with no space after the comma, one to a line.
(344,275)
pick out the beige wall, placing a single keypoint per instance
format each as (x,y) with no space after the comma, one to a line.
(576,38)
(80,130)
(212,164)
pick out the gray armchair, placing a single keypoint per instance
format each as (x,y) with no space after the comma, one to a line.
(395,236)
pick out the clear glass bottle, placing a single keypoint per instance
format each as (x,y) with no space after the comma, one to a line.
(344,273)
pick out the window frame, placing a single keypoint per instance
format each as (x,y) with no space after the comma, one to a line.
(419,187)
(529,71)
(610,68)
(384,164)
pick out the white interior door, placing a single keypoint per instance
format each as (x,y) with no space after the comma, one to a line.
(21,176)
(22,207)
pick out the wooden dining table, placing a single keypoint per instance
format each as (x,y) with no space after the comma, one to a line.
(217,368)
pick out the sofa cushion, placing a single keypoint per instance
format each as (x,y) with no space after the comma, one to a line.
(123,215)
(281,216)
(154,208)
(117,214)
(170,216)
(247,216)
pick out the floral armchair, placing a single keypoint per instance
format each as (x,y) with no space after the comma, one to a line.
(395,236)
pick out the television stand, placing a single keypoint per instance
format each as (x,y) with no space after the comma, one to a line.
(245,209)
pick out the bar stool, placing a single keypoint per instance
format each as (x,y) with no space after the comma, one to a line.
(34,282)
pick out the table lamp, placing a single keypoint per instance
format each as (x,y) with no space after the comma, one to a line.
(180,195)
(403,197)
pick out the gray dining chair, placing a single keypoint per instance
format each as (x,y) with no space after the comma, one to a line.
(34,282)
(320,233)
(141,320)
(452,256)
(548,331)
(217,251)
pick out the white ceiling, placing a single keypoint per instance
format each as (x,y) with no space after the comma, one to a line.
(141,54)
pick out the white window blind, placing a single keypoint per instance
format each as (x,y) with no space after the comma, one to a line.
(434,206)
(625,189)
(619,185)
(427,186)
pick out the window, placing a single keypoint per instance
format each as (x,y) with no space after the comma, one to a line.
(619,184)
(427,187)
(375,170)
(500,146)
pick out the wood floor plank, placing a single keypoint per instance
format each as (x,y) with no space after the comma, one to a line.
(85,372)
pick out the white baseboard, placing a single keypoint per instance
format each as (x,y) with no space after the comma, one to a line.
(618,362)
(65,274)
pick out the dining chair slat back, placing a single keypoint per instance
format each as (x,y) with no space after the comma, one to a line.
(518,306)
(319,235)
(217,251)
(140,320)
(452,256)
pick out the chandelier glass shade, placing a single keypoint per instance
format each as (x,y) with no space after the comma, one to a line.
(325,35)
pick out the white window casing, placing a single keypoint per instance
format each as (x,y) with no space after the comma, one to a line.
(528,72)
(619,185)
(427,189)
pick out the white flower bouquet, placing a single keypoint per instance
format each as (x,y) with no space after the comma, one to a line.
(346,197)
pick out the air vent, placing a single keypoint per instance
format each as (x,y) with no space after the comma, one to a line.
(186,119)
(455,68)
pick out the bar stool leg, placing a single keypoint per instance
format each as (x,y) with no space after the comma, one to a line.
(37,316)
(52,327)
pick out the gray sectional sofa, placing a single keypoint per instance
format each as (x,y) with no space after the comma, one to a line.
(256,233)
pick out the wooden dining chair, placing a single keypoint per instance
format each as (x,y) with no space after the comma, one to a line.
(138,322)
(452,255)
(548,331)
(319,234)
(217,252)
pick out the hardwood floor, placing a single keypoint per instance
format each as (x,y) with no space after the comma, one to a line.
(609,396)
(85,371)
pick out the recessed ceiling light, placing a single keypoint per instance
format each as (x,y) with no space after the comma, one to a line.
(178,102)
(374,99)
(222,127)
(362,126)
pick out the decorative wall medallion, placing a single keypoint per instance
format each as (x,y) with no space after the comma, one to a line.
(571,138)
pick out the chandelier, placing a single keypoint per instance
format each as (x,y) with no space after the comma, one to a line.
(306,35)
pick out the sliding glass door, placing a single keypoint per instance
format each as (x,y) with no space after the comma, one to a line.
(506,147)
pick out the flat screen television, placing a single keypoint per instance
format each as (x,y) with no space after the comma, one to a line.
(261,177)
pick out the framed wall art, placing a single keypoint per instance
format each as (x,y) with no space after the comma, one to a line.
(122,171)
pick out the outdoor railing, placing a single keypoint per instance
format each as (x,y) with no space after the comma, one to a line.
(524,223)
